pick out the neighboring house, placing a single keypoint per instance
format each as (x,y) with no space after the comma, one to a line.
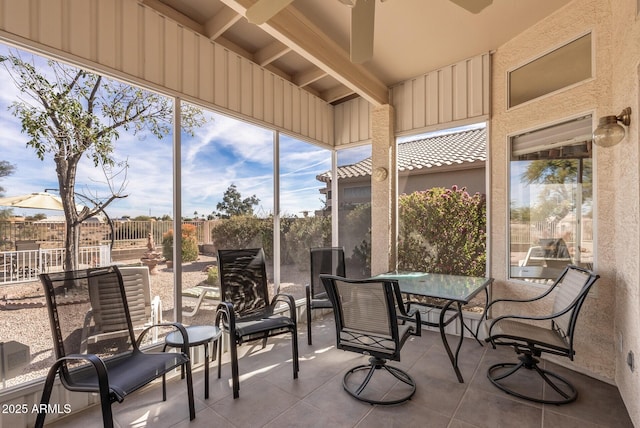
(457,158)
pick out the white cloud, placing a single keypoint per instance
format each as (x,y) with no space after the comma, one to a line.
(223,151)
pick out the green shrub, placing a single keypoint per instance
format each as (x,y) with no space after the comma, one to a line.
(300,234)
(244,231)
(443,231)
(189,244)
(212,275)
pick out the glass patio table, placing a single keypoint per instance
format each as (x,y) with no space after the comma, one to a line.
(448,293)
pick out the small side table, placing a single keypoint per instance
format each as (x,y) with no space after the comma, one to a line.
(198,335)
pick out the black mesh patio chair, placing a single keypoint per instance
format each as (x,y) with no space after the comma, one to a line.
(371,320)
(530,336)
(246,313)
(113,366)
(326,260)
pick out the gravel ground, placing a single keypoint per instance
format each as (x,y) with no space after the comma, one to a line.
(24,318)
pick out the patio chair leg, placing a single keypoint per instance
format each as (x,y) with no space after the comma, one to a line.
(309,340)
(192,408)
(164,388)
(220,358)
(294,352)
(234,368)
(46,395)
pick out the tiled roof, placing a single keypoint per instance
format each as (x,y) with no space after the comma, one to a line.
(458,148)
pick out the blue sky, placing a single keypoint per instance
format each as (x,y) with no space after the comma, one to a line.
(222,152)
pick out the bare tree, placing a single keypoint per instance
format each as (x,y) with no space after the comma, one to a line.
(72,113)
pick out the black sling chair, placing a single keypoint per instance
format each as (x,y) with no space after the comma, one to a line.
(246,314)
(112,367)
(326,260)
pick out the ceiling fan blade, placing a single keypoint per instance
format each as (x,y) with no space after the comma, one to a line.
(473,6)
(362,30)
(263,10)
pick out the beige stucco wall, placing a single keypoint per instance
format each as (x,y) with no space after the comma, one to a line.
(623,172)
(613,309)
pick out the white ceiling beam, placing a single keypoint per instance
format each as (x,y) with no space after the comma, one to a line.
(173,14)
(223,41)
(270,53)
(300,34)
(221,22)
(335,94)
(307,77)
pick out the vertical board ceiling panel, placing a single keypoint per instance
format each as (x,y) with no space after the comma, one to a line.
(304,112)
(460,98)
(172,55)
(257,75)
(269,93)
(16,18)
(80,33)
(49,20)
(450,95)
(431,101)
(278,102)
(205,67)
(445,94)
(220,73)
(132,29)
(296,118)
(352,122)
(454,94)
(287,107)
(189,65)
(107,44)
(246,88)
(132,41)
(418,88)
(233,82)
(152,41)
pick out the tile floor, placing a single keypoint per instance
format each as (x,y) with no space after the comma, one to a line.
(270,397)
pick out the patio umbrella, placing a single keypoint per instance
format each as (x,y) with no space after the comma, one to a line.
(45,201)
(38,200)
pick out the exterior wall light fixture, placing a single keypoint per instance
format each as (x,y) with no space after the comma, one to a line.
(609,132)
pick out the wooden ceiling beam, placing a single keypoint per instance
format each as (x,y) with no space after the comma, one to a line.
(221,22)
(293,29)
(270,53)
(173,14)
(307,77)
(335,94)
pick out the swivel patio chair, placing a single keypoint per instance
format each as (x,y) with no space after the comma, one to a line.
(326,260)
(245,313)
(531,336)
(113,366)
(371,320)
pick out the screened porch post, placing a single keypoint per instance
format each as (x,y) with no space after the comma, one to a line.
(384,190)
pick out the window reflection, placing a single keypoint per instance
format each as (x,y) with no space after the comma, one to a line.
(551,201)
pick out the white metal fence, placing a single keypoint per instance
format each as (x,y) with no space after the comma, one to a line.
(26,265)
(124,234)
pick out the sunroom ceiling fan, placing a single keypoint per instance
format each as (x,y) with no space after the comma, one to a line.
(362,20)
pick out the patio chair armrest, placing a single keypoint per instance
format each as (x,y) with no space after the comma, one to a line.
(412,315)
(101,371)
(289,300)
(225,312)
(178,326)
(532,299)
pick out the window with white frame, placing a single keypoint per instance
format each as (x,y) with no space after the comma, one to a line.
(551,200)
